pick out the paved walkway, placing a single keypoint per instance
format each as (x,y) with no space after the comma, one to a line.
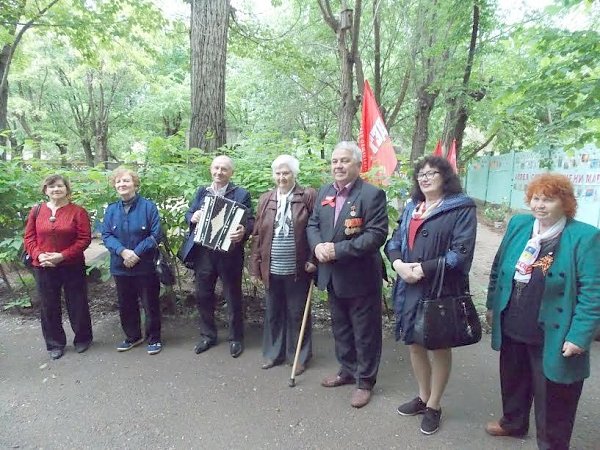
(105,399)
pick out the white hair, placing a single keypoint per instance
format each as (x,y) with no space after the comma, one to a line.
(352,148)
(286,160)
(225,159)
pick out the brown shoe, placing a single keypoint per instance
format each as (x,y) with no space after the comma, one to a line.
(360,398)
(335,381)
(494,428)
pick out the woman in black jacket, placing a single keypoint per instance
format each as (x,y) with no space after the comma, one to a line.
(439,221)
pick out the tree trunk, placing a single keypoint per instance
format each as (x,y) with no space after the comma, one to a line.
(62,149)
(347,30)
(4,67)
(458,114)
(425,102)
(208,43)
(87,150)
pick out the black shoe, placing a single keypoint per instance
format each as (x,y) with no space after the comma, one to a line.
(203,345)
(412,408)
(57,353)
(431,420)
(81,347)
(236,348)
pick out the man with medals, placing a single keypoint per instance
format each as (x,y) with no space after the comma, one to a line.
(348,226)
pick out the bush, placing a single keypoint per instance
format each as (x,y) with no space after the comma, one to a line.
(496,213)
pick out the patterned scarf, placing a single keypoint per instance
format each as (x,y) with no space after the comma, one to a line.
(283,217)
(422,211)
(531,251)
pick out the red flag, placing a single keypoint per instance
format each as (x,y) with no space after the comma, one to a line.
(451,156)
(374,140)
(438,149)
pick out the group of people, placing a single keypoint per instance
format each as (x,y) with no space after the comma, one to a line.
(543,298)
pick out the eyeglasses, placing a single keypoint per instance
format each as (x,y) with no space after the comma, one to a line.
(427,175)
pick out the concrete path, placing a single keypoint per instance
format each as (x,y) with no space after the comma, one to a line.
(104,399)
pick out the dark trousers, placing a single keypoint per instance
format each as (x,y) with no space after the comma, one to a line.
(50,281)
(130,291)
(207,267)
(285,302)
(522,380)
(356,324)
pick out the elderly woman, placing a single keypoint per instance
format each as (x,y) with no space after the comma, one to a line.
(544,307)
(440,221)
(281,259)
(56,234)
(131,233)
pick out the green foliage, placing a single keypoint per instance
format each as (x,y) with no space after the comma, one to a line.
(21,302)
(497,213)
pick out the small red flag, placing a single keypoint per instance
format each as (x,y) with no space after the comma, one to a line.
(374,140)
(451,156)
(438,149)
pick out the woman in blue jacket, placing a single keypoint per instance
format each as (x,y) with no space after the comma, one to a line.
(131,232)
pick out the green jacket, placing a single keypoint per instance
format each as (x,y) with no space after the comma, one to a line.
(570,309)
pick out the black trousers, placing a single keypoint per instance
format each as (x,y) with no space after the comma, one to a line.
(207,267)
(522,380)
(50,282)
(285,302)
(130,291)
(356,324)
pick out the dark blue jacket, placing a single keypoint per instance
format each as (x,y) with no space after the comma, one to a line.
(138,230)
(189,251)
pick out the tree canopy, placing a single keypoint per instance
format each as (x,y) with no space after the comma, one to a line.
(113,80)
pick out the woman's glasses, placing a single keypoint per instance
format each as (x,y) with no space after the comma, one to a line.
(427,175)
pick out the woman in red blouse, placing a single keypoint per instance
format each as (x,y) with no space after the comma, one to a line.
(56,234)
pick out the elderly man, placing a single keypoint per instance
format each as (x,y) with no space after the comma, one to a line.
(209,264)
(348,226)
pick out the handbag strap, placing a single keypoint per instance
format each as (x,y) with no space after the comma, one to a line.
(438,279)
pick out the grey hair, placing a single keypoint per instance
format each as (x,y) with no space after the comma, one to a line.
(286,160)
(224,158)
(352,147)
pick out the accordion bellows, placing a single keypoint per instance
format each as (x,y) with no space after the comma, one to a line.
(218,217)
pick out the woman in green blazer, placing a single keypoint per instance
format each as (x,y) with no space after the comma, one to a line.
(544,307)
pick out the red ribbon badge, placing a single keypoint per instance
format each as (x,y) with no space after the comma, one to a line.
(329,200)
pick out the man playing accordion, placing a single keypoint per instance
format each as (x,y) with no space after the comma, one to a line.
(210,262)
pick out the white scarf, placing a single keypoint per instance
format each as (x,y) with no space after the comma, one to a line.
(532,248)
(283,217)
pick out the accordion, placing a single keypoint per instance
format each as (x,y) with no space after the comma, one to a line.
(218,217)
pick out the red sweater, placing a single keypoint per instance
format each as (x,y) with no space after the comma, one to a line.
(69,234)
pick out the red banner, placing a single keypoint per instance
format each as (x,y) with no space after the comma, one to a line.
(374,140)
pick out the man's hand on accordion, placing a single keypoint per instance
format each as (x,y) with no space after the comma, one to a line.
(238,234)
(196,216)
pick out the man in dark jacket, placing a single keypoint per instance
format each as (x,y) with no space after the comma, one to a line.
(348,225)
(209,264)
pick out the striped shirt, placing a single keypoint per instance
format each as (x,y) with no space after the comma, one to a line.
(283,252)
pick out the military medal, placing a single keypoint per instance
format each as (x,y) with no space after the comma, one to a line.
(353,225)
(353,211)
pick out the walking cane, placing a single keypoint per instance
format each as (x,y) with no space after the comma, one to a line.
(292,382)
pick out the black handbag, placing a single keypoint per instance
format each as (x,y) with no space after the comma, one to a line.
(448,321)
(163,263)
(26,257)
(164,267)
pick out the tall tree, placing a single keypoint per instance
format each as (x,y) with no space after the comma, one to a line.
(11,15)
(347,31)
(457,112)
(208,44)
